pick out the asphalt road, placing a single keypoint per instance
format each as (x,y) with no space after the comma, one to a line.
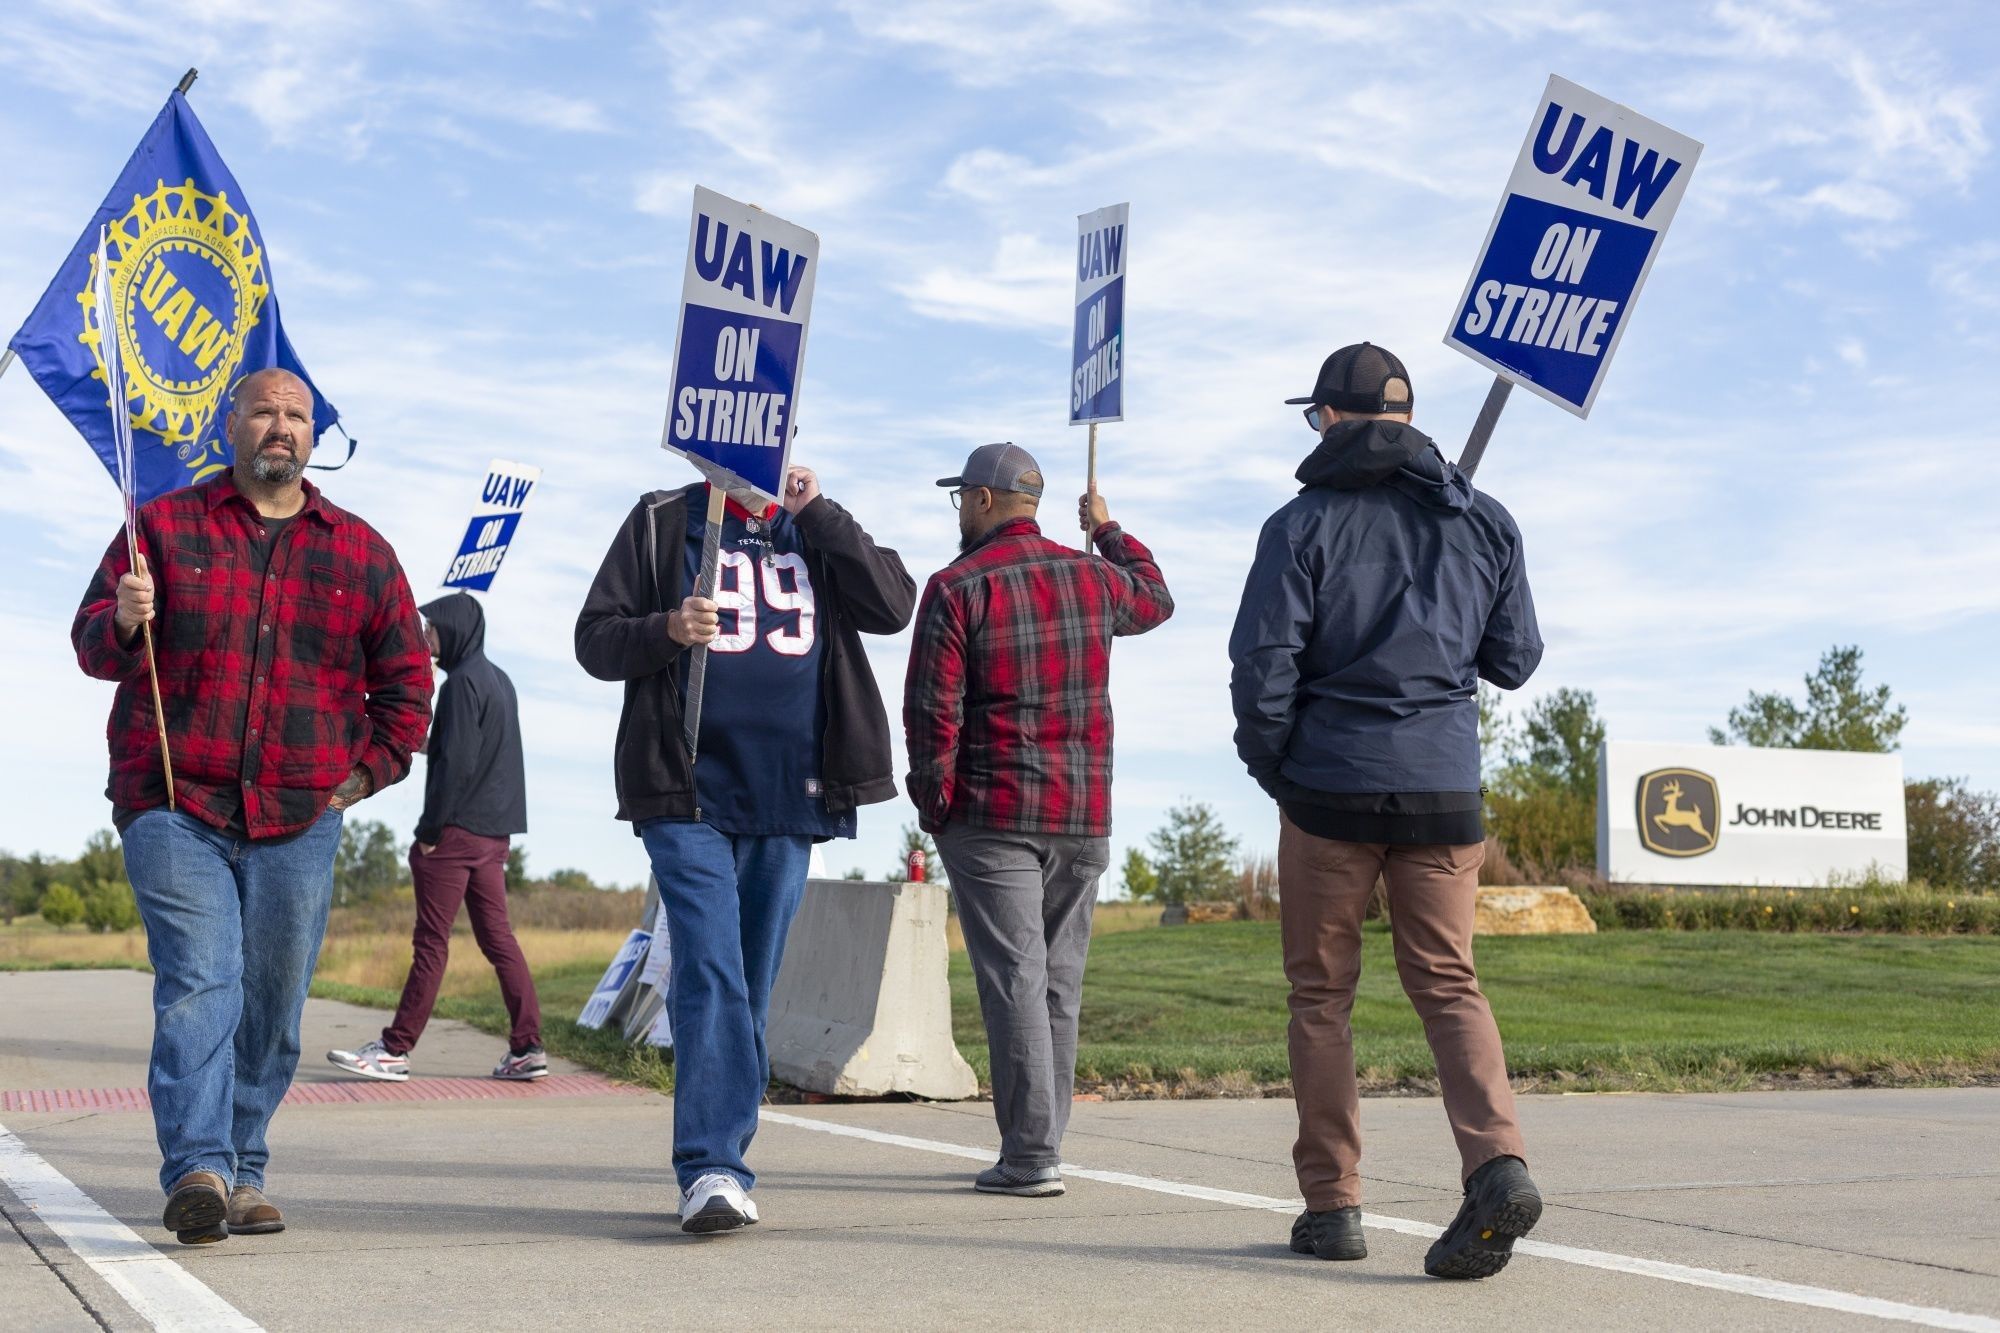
(453,1202)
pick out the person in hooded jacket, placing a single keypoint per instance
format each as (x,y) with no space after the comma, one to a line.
(475,800)
(1379,598)
(793,740)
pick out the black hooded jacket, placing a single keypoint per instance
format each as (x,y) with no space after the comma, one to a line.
(621,635)
(1378,599)
(474,778)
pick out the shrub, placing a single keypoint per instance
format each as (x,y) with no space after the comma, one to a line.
(108,905)
(1194,857)
(1257,888)
(1954,833)
(1901,909)
(62,906)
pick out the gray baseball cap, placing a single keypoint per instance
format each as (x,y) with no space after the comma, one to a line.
(999,466)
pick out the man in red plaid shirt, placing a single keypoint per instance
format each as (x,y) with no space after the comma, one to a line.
(1007,711)
(295,681)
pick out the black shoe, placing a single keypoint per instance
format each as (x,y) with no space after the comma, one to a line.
(1501,1204)
(1334,1234)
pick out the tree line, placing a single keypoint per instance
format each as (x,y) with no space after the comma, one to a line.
(91,890)
(1541,815)
(1540,775)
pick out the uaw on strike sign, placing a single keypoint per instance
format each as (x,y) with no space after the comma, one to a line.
(1575,235)
(741,342)
(502,497)
(1097,352)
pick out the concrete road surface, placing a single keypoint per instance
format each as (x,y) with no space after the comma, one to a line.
(454,1202)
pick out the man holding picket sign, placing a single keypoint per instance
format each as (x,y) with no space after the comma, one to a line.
(1007,715)
(752,725)
(1379,597)
(475,801)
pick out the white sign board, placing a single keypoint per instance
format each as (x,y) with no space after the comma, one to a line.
(1576,233)
(502,497)
(1730,814)
(740,343)
(1097,349)
(598,1007)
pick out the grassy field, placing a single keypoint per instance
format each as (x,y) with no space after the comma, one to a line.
(1201,1010)
(29,944)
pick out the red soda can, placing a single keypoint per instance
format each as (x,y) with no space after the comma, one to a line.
(916,872)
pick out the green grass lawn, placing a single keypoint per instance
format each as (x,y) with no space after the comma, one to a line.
(1624,1009)
(1202,1009)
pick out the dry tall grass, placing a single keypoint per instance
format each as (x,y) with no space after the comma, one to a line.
(27,943)
(382,960)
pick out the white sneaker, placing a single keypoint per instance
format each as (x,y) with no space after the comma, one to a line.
(715,1202)
(373,1061)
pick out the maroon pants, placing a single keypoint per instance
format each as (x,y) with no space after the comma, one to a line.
(470,869)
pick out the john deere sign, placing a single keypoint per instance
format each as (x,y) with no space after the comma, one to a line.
(1706,814)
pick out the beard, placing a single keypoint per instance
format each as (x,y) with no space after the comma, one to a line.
(274,471)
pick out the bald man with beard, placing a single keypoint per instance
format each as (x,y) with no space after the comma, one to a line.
(294,681)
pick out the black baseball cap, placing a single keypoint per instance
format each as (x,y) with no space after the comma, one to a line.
(1356,379)
(998,466)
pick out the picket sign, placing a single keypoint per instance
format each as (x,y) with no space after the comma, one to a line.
(490,532)
(739,349)
(1579,225)
(1097,344)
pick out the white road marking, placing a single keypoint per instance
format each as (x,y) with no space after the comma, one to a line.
(1790,1293)
(160,1291)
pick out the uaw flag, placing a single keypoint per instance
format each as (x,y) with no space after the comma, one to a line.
(186,295)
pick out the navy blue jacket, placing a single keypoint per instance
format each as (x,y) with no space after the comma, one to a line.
(1377,600)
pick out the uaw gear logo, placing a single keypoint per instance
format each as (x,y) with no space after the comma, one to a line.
(1680,812)
(188,285)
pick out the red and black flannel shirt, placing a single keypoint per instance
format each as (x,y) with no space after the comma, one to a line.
(1007,708)
(274,686)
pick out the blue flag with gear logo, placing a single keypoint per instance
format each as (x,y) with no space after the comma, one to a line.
(193,311)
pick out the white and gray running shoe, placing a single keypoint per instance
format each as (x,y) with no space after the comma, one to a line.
(373,1061)
(1027,1182)
(529,1064)
(715,1202)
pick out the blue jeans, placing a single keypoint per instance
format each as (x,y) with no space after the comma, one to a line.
(233,929)
(729,899)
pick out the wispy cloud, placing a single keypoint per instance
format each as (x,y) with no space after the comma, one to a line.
(478,230)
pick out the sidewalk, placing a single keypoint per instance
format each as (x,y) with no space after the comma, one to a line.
(545,1209)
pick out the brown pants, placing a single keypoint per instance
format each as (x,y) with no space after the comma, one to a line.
(1323,889)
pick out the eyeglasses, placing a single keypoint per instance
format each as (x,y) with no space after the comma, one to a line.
(958,496)
(1312,418)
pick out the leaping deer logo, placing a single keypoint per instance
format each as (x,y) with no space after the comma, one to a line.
(1675,817)
(1680,812)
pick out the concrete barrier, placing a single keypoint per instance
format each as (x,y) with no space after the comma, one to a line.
(862,1006)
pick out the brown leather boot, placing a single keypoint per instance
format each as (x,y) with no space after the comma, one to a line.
(196,1209)
(251,1214)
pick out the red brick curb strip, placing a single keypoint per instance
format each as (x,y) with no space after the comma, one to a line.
(326,1094)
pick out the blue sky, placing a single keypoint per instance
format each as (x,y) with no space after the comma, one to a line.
(477,219)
